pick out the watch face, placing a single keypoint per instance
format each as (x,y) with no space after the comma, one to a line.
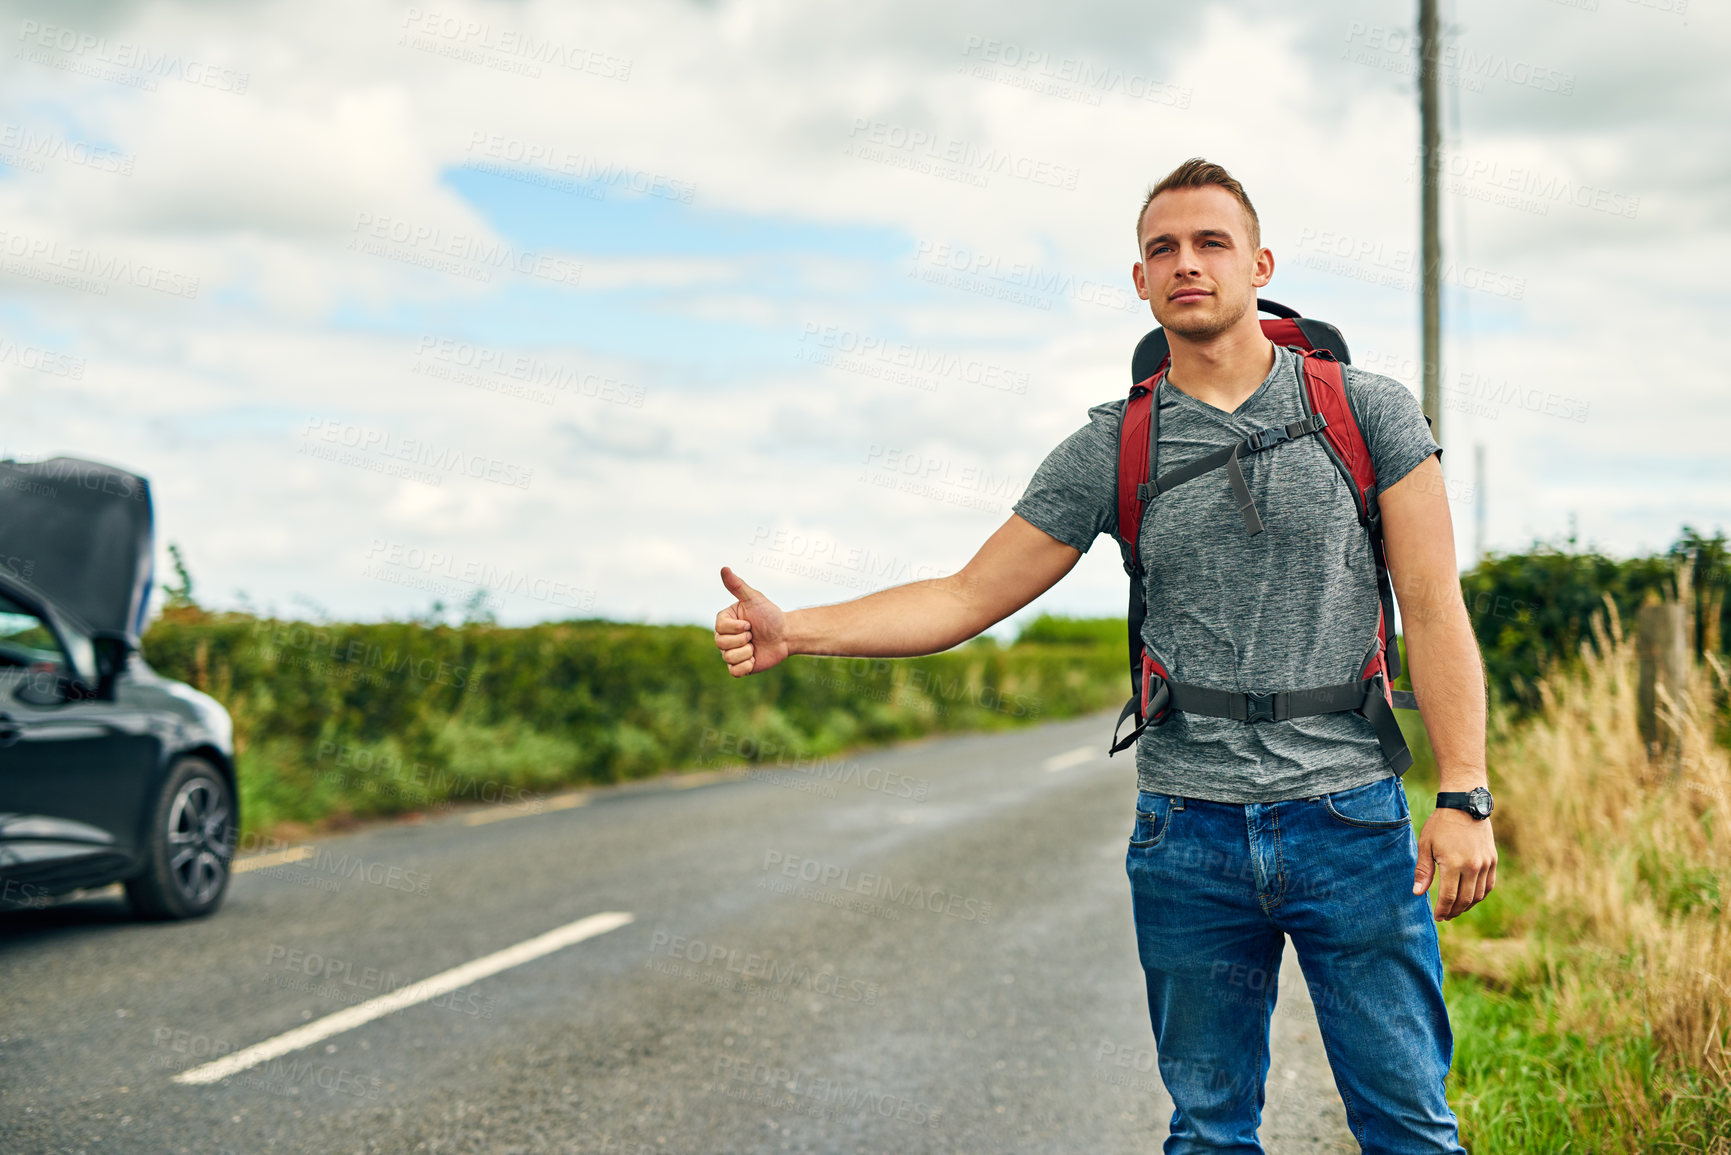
(1480,800)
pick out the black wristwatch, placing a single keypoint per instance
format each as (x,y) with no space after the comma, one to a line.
(1476,802)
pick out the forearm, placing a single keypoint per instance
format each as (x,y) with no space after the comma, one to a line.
(923,617)
(1449,682)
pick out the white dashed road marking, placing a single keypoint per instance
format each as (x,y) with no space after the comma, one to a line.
(1074,757)
(361,1013)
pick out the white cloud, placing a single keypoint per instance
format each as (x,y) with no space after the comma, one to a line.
(350,117)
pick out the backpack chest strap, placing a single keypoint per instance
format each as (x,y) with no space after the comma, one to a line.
(1228,455)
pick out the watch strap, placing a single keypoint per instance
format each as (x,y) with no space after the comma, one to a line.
(1457,800)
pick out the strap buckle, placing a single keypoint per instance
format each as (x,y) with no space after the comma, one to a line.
(1267,438)
(1259,707)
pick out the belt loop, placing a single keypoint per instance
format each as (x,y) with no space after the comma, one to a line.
(1177,802)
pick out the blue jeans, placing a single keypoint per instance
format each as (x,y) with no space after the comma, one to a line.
(1217,887)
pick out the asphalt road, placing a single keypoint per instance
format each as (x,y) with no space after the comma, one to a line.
(934,955)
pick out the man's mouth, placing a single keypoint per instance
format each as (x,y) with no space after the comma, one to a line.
(1189,295)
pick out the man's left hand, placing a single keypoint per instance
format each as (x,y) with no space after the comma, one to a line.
(1459,853)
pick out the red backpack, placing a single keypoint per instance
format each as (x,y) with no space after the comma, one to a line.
(1154,695)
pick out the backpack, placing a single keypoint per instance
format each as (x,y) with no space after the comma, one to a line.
(1154,695)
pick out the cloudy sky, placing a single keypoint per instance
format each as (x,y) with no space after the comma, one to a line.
(576,303)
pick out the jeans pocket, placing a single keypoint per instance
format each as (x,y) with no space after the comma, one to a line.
(1153,820)
(1379,805)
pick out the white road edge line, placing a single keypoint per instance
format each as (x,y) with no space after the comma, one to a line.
(499,814)
(1071,758)
(271,858)
(362,1013)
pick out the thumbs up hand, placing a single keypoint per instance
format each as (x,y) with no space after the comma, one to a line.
(751,633)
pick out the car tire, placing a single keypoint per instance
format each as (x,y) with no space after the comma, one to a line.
(190,844)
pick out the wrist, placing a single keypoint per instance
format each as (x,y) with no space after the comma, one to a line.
(793,631)
(1459,779)
(796,632)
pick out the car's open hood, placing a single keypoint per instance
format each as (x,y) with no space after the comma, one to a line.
(81,533)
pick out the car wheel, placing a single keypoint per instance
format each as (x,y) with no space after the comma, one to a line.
(192,839)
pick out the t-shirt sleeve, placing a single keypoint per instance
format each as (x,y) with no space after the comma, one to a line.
(1394,427)
(1073,496)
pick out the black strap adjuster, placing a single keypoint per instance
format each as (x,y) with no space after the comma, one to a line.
(1266,439)
(1258,707)
(1275,434)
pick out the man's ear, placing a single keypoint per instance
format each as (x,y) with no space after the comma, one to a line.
(1264,268)
(1139,275)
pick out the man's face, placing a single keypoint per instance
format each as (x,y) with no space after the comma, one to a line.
(1198,270)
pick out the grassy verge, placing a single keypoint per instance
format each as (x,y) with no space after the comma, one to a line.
(1591,995)
(1523,1081)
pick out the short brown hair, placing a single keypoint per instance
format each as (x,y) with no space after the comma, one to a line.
(1199,173)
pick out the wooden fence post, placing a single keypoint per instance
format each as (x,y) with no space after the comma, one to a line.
(1662,648)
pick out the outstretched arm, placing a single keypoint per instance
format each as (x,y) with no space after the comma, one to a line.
(1017,564)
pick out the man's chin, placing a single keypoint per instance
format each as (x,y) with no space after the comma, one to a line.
(1196,328)
(1193,325)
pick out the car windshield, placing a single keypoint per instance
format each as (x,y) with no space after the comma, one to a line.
(25,639)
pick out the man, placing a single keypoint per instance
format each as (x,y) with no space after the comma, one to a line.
(1246,833)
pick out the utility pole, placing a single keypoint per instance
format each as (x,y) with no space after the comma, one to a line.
(1478,503)
(1430,51)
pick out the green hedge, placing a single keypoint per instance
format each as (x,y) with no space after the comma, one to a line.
(1531,608)
(340,720)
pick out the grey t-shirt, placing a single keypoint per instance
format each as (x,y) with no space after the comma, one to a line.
(1293,607)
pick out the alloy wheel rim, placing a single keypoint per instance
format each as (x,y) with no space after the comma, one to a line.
(198,840)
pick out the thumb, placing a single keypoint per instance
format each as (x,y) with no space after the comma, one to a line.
(1421,876)
(736,585)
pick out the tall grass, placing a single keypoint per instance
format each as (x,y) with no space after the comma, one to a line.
(1592,993)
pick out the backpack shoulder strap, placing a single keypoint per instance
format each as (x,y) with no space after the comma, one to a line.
(1138,460)
(1325,392)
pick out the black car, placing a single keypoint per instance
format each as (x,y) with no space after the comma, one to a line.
(109,772)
